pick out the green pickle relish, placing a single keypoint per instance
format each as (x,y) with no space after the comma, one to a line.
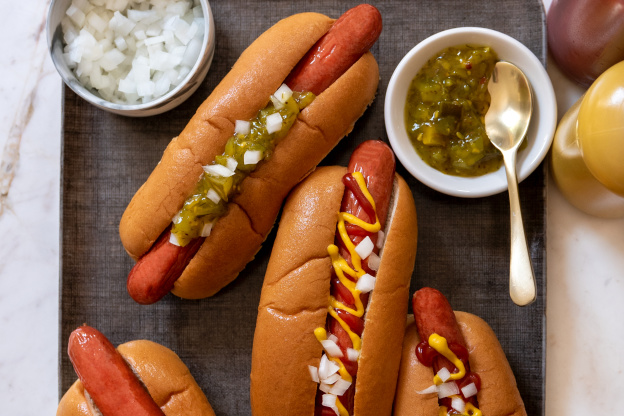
(445,110)
(209,200)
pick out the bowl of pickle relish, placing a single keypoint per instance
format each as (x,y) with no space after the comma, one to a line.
(435,106)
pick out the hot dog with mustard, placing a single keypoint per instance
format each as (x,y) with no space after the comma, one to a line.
(327,337)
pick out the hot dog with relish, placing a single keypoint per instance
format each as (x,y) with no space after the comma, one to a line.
(280,110)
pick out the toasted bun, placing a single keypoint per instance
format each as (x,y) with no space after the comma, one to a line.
(295,294)
(498,396)
(246,89)
(167,379)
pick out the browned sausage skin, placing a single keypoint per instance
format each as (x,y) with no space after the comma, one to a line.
(99,366)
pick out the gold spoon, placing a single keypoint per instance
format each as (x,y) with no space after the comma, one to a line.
(506,124)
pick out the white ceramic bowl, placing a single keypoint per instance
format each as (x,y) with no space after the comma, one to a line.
(159,105)
(539,135)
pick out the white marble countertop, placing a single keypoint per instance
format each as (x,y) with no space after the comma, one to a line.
(585,282)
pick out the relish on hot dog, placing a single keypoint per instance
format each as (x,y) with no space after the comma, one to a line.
(453,364)
(138,378)
(288,100)
(327,340)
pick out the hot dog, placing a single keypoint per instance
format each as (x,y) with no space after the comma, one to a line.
(469,339)
(327,59)
(309,293)
(138,378)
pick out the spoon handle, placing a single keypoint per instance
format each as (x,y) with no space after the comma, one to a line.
(522,287)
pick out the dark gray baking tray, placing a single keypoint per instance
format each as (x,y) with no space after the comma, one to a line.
(463,244)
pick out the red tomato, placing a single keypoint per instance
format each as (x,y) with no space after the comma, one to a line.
(586,37)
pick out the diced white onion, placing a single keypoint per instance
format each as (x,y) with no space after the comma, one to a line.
(218,170)
(324,387)
(283,93)
(447,389)
(365,283)
(364,248)
(431,389)
(333,337)
(252,157)
(242,127)
(332,379)
(332,349)
(458,404)
(213,196)
(231,163)
(105,39)
(174,240)
(274,123)
(340,387)
(314,373)
(353,354)
(444,374)
(207,229)
(380,238)
(329,400)
(327,367)
(374,261)
(469,390)
(277,103)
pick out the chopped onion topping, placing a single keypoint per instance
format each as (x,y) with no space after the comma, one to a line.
(332,379)
(207,229)
(242,127)
(365,283)
(327,367)
(444,374)
(231,163)
(380,238)
(447,389)
(213,196)
(132,52)
(274,123)
(277,103)
(458,404)
(364,248)
(329,400)
(324,387)
(283,93)
(469,390)
(252,157)
(173,239)
(332,349)
(314,373)
(431,389)
(218,170)
(333,337)
(340,387)
(353,354)
(374,261)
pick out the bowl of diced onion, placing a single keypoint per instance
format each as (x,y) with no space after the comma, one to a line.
(132,57)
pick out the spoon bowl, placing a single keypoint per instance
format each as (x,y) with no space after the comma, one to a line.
(506,124)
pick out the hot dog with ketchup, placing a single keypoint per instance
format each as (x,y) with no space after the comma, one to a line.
(327,340)
(453,364)
(139,378)
(288,100)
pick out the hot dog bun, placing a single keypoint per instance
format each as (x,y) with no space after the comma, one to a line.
(295,296)
(237,236)
(167,379)
(498,396)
